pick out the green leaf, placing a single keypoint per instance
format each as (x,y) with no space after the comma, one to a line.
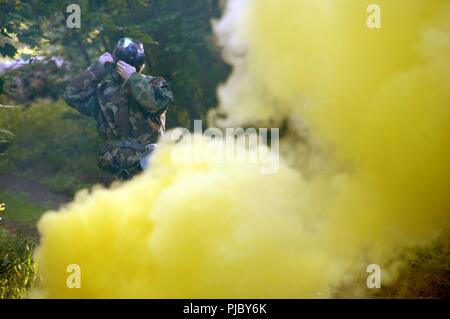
(8,50)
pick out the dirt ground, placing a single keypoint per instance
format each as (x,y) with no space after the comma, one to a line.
(35,193)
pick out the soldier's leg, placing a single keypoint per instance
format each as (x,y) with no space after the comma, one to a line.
(122,162)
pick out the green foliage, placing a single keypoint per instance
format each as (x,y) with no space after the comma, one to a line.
(6,137)
(55,145)
(20,209)
(17,267)
(176,33)
(35,80)
(426,273)
(16,18)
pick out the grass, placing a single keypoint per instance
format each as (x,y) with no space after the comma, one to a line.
(20,209)
(17,267)
(54,144)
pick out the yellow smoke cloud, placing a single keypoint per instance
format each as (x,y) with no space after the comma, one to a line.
(184,230)
(377,100)
(378,97)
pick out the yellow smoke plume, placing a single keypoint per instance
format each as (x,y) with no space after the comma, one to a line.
(375,104)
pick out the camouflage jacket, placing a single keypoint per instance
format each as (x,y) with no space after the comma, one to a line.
(134,109)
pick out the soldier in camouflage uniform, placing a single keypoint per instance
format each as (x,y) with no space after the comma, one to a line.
(129,107)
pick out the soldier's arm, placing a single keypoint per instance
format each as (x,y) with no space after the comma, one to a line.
(153,94)
(81,93)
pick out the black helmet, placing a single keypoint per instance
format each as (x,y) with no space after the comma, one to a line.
(130,51)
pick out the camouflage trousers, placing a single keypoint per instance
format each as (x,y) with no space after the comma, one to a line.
(123,163)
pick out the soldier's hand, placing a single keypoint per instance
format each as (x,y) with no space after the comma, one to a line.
(105,57)
(125,70)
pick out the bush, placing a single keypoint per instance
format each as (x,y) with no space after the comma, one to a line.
(17,267)
(54,144)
